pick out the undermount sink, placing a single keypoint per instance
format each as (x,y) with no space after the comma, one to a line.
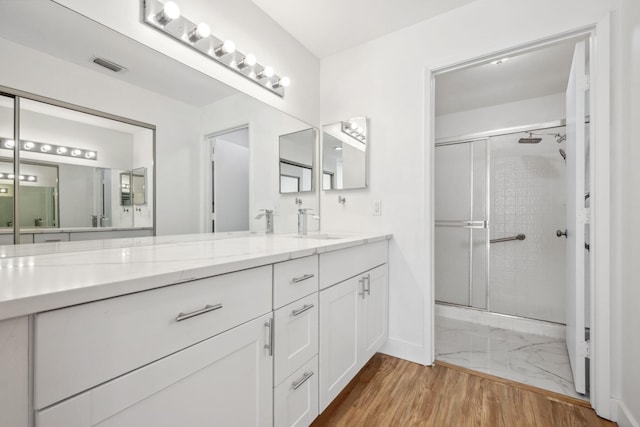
(321,237)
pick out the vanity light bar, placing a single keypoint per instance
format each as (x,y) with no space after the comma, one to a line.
(354,131)
(46,148)
(166,18)
(10,176)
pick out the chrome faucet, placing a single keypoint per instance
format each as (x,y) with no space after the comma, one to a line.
(268,214)
(302,220)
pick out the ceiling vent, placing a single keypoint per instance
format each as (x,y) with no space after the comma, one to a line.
(108,64)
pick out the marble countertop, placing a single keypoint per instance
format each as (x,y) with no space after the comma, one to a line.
(77,272)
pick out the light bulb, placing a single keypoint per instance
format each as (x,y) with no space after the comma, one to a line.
(248,61)
(76,152)
(45,148)
(200,32)
(9,143)
(283,82)
(28,145)
(226,47)
(21,178)
(61,150)
(1,175)
(31,178)
(169,12)
(90,155)
(353,125)
(11,176)
(266,72)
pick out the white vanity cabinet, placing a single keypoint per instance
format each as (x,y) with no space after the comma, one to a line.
(160,357)
(296,342)
(353,315)
(225,380)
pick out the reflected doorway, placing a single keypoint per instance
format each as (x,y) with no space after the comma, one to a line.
(229,151)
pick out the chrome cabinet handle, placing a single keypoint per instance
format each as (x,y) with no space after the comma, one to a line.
(303,309)
(207,308)
(361,282)
(302,278)
(305,377)
(368,279)
(269,345)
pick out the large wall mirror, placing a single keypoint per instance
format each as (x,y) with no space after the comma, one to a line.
(71,165)
(297,161)
(194,192)
(344,154)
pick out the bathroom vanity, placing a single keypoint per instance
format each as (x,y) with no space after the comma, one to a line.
(183,330)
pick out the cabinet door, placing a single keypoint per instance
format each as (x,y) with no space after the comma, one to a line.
(225,380)
(296,336)
(339,338)
(373,317)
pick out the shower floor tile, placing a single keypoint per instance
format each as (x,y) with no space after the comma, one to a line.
(526,358)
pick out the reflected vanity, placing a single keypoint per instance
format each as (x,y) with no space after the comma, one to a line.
(344,154)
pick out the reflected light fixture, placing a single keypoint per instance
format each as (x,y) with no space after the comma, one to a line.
(170,12)
(165,16)
(10,176)
(44,148)
(4,190)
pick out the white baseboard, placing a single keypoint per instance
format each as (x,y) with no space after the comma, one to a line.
(624,417)
(405,350)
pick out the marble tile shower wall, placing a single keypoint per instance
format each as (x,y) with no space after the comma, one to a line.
(528,196)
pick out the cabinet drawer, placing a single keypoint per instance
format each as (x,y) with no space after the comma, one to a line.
(296,336)
(222,381)
(340,265)
(294,279)
(295,401)
(79,347)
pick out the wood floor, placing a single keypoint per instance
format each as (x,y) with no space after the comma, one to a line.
(394,392)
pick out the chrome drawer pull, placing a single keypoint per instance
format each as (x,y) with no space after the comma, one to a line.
(305,377)
(302,278)
(207,308)
(269,345)
(302,310)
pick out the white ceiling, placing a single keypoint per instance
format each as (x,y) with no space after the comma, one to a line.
(530,75)
(329,26)
(54,29)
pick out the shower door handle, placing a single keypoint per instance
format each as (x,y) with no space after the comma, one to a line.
(475,224)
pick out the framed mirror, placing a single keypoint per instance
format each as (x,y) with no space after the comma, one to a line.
(297,161)
(344,154)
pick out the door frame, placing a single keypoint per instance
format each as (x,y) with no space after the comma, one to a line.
(208,172)
(599,40)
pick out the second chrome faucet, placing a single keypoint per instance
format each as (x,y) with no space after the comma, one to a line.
(303,213)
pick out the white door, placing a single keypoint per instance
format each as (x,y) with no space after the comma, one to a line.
(576,218)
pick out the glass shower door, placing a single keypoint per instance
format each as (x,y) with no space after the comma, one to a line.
(461,233)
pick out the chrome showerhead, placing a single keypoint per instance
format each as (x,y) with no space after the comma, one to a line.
(530,140)
(563,154)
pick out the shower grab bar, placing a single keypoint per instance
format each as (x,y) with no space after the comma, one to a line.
(508,239)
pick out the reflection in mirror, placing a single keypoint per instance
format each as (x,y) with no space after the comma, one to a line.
(125,189)
(139,186)
(297,161)
(344,154)
(71,165)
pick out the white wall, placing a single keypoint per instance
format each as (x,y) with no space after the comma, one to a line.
(231,186)
(626,345)
(391,89)
(76,198)
(526,112)
(178,137)
(239,20)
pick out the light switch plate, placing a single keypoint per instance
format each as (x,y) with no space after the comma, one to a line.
(377,207)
